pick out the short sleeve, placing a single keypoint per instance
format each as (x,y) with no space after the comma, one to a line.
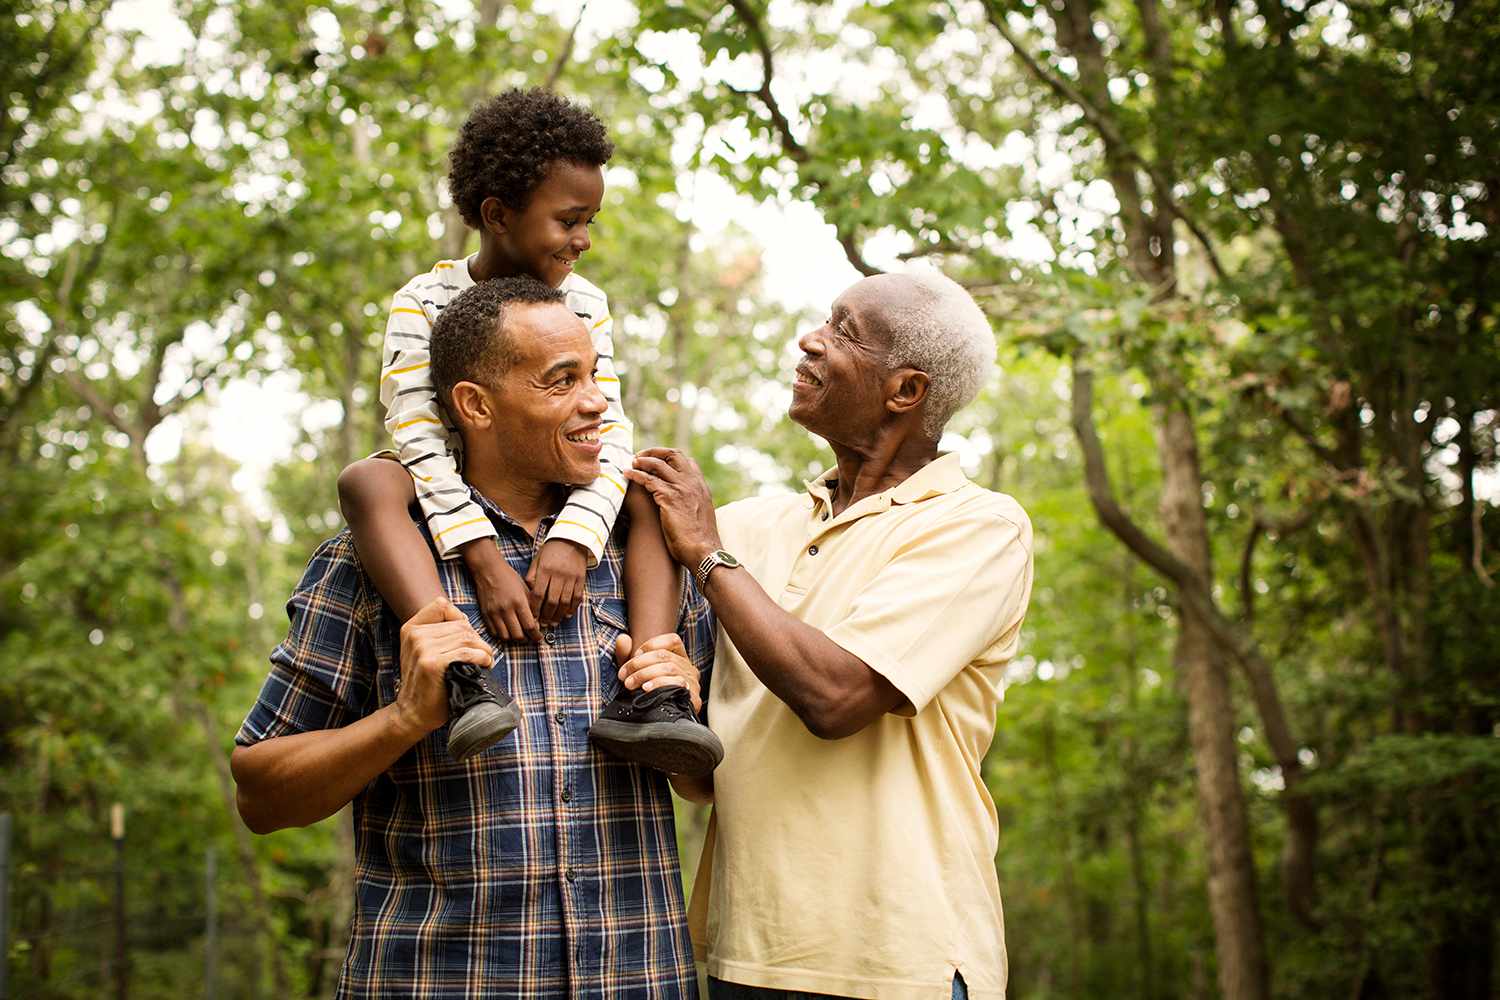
(322,673)
(953,594)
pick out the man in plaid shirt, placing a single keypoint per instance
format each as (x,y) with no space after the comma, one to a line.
(538,868)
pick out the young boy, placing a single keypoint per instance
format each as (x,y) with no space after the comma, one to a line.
(527,172)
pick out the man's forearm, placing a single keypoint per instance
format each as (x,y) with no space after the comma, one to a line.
(831,690)
(300,779)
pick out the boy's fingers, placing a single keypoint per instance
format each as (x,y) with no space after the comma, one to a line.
(529,626)
(623,644)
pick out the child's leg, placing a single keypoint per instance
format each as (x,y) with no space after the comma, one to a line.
(374,494)
(653,583)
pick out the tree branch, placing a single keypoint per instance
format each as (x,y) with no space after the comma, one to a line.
(793,149)
(1108,131)
(566,53)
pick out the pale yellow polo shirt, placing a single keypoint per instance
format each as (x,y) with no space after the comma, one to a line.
(865,866)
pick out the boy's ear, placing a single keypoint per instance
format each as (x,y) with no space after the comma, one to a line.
(494,215)
(905,389)
(471,406)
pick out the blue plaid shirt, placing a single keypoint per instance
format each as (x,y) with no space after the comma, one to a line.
(540,868)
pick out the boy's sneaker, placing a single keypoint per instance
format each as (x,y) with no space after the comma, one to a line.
(658,729)
(479,718)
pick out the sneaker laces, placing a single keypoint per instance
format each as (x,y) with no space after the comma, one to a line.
(671,700)
(465,688)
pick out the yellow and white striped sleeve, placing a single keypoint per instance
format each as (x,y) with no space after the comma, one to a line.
(590,513)
(414,419)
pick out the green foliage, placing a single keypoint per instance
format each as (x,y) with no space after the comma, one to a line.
(178,218)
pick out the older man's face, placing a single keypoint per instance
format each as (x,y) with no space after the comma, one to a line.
(550,410)
(839,390)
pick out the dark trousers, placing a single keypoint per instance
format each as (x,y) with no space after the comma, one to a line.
(720,990)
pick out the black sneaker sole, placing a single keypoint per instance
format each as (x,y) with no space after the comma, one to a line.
(481,727)
(690,748)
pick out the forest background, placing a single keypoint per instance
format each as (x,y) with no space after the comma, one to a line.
(1238,257)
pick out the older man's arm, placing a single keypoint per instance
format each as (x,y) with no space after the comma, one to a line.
(834,692)
(301,778)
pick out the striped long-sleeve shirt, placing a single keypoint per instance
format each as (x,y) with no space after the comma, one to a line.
(429,446)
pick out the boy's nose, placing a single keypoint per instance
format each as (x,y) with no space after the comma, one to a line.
(581,241)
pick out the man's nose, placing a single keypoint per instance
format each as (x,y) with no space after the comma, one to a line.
(592,400)
(811,342)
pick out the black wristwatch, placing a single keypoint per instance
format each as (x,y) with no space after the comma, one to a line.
(718,557)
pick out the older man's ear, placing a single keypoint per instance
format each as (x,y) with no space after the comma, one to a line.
(905,389)
(471,406)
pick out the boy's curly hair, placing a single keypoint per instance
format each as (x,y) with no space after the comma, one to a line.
(508,142)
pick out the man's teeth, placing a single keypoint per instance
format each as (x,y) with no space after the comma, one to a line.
(583,436)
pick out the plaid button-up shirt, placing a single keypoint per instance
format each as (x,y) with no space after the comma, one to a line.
(540,868)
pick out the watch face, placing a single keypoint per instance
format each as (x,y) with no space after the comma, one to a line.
(726,559)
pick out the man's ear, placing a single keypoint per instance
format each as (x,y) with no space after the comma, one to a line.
(905,389)
(471,406)
(495,216)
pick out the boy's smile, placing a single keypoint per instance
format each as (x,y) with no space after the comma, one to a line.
(546,237)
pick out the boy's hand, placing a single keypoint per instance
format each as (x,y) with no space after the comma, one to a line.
(503,598)
(556,579)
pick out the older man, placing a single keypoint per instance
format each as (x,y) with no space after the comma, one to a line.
(538,868)
(863,628)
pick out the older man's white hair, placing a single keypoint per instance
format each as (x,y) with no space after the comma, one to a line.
(939,329)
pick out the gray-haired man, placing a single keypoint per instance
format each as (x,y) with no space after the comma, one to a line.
(863,630)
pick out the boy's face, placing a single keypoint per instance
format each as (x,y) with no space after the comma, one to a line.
(546,238)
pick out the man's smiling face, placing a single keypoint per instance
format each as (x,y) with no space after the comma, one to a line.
(549,408)
(839,392)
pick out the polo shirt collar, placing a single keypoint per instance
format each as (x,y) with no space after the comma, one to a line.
(942,475)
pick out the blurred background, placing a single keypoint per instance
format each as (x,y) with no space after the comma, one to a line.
(1239,258)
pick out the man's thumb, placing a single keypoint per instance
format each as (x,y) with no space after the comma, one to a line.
(623,645)
(436,610)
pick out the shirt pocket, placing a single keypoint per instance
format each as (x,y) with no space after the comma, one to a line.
(607,615)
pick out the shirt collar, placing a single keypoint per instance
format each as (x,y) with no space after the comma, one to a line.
(942,475)
(495,512)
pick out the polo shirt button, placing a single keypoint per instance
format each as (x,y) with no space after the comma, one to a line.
(567,795)
(812,550)
(550,636)
(561,717)
(825,515)
(572,875)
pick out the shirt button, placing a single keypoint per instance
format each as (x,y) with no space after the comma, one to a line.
(825,515)
(567,795)
(550,636)
(561,717)
(572,875)
(812,550)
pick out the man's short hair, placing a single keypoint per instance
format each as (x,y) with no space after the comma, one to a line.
(939,329)
(508,143)
(469,339)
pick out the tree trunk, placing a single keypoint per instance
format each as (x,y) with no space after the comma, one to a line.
(1200,663)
